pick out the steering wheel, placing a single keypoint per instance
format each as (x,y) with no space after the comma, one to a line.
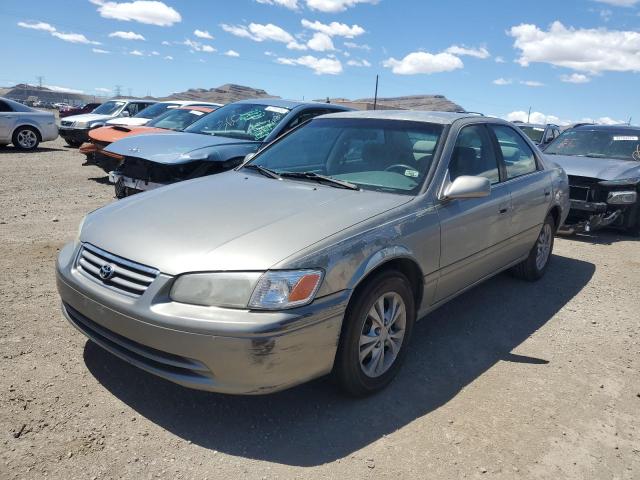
(398,166)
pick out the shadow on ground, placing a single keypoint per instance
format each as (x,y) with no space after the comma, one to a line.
(101,180)
(313,424)
(12,149)
(607,236)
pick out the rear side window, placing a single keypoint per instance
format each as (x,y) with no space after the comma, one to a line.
(4,107)
(473,155)
(518,156)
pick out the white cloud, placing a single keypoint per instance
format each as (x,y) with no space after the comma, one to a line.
(102,90)
(231,53)
(539,117)
(575,78)
(164,42)
(333,6)
(424,63)
(208,49)
(127,35)
(296,46)
(320,66)
(500,60)
(481,53)
(56,88)
(259,33)
(198,47)
(357,46)
(531,83)
(502,81)
(358,63)
(620,3)
(67,37)
(150,12)
(334,28)
(136,53)
(290,4)
(320,42)
(586,50)
(154,53)
(38,26)
(99,50)
(168,57)
(269,54)
(204,34)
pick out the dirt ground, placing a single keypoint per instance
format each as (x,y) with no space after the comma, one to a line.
(511,380)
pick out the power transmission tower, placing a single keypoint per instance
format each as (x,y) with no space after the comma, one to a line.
(117,90)
(40,79)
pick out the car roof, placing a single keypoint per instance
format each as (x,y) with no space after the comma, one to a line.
(444,118)
(290,104)
(609,128)
(146,100)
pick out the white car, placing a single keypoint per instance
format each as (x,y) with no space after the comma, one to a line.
(75,129)
(156,110)
(25,127)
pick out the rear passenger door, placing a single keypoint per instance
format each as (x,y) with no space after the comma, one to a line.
(473,230)
(529,186)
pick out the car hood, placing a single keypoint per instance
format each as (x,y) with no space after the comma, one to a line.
(115,133)
(169,148)
(600,168)
(87,117)
(129,121)
(231,221)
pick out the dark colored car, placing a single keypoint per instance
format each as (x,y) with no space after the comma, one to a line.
(88,108)
(603,164)
(216,143)
(539,134)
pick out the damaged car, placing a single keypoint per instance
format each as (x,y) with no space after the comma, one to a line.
(316,256)
(216,143)
(603,165)
(175,119)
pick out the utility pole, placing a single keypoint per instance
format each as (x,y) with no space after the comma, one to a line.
(375,96)
(40,79)
(117,90)
(529,115)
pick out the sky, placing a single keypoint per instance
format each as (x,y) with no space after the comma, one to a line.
(568,60)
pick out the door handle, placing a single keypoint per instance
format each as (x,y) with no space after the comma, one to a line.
(547,193)
(503,210)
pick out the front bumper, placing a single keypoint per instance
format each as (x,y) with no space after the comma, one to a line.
(76,135)
(207,348)
(589,217)
(134,183)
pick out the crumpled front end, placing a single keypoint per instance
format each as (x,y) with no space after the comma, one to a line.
(596,204)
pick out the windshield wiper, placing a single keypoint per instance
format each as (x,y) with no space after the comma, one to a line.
(320,178)
(263,170)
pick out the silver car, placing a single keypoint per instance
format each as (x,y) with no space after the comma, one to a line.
(25,127)
(317,255)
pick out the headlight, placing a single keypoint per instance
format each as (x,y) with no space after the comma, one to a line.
(274,290)
(80,124)
(622,198)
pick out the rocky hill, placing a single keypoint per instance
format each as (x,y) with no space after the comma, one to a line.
(223,94)
(438,103)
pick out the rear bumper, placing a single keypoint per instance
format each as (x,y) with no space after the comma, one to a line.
(221,350)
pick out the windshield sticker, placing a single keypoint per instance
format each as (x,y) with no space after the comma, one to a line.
(625,139)
(196,112)
(282,111)
(260,130)
(411,173)
(251,115)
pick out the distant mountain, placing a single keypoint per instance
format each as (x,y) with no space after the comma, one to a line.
(438,103)
(224,94)
(25,91)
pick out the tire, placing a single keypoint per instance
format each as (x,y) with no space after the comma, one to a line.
(73,143)
(535,265)
(25,138)
(360,376)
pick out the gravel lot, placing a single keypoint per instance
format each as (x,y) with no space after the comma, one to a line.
(511,380)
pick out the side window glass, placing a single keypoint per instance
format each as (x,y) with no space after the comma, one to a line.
(303,117)
(4,107)
(518,157)
(133,109)
(473,155)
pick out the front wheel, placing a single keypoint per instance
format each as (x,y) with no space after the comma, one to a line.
(377,328)
(26,138)
(535,265)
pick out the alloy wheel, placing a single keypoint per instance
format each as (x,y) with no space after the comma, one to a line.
(27,139)
(544,246)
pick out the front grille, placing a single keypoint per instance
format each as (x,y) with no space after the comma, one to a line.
(66,123)
(579,193)
(123,275)
(156,361)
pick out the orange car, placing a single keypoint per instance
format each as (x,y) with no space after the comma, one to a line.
(176,119)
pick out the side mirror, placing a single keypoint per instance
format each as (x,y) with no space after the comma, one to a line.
(124,114)
(249,156)
(467,186)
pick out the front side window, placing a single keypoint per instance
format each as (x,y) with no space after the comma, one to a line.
(374,154)
(517,155)
(155,109)
(534,133)
(623,144)
(241,120)
(4,107)
(473,155)
(108,108)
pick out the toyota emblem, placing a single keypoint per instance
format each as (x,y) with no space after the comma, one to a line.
(107,271)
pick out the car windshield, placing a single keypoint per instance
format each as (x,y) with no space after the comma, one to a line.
(241,120)
(176,119)
(534,133)
(619,144)
(372,154)
(154,110)
(108,108)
